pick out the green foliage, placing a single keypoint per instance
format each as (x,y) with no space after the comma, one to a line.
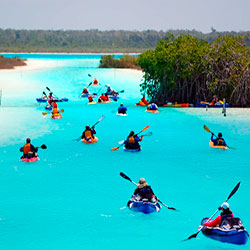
(93,40)
(188,69)
(124,62)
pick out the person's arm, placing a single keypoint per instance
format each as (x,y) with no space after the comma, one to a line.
(214,222)
(21,149)
(93,131)
(83,134)
(33,149)
(212,138)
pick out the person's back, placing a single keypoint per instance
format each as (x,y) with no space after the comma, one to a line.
(144,191)
(132,141)
(144,100)
(88,133)
(90,97)
(122,109)
(219,141)
(28,149)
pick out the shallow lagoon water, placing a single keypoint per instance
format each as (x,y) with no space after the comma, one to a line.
(74,198)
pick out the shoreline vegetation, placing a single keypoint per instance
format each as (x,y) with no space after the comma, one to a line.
(189,70)
(125,62)
(11,63)
(95,41)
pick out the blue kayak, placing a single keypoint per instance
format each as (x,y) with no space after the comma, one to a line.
(132,150)
(144,206)
(114,97)
(48,107)
(55,100)
(229,234)
(204,105)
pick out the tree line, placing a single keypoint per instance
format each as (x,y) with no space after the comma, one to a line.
(94,40)
(188,70)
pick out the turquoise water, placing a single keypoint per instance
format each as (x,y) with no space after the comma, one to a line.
(74,198)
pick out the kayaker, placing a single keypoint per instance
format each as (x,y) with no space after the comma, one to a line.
(214,100)
(225,214)
(90,97)
(109,90)
(122,109)
(132,141)
(152,106)
(95,81)
(88,133)
(144,100)
(85,91)
(144,191)
(28,149)
(55,109)
(219,140)
(102,98)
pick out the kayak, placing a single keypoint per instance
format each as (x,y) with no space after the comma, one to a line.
(211,144)
(85,95)
(206,104)
(114,97)
(55,100)
(144,206)
(120,114)
(35,158)
(92,102)
(92,141)
(140,103)
(105,102)
(48,107)
(177,105)
(230,234)
(56,116)
(132,150)
(152,111)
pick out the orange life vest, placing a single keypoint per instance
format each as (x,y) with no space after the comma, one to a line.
(88,134)
(55,111)
(131,140)
(26,148)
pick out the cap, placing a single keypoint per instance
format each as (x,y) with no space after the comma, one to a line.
(225,205)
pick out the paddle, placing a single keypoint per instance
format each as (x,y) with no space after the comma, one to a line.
(60,111)
(127,178)
(45,94)
(230,195)
(89,75)
(80,137)
(51,92)
(209,131)
(116,148)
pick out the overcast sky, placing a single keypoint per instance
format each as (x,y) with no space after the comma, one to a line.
(201,15)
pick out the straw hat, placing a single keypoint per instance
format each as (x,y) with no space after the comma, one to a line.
(142,183)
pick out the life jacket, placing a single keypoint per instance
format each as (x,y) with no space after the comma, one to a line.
(26,148)
(88,134)
(220,141)
(55,111)
(131,140)
(146,193)
(226,215)
(85,91)
(90,98)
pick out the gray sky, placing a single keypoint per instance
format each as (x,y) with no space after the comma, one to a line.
(223,15)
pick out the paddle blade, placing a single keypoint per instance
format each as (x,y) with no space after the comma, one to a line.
(43,146)
(145,128)
(125,176)
(113,149)
(89,75)
(192,236)
(234,191)
(44,113)
(207,129)
(172,208)
(122,91)
(48,89)
(61,110)
(101,118)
